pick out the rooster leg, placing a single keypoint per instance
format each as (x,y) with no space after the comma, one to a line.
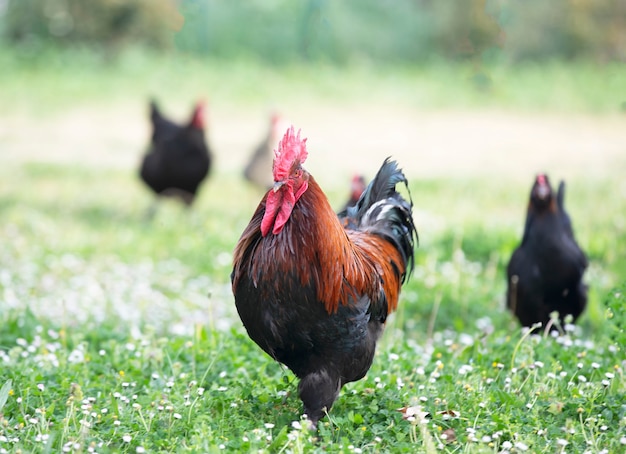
(318,390)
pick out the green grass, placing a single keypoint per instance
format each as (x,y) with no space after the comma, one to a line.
(120,335)
(49,80)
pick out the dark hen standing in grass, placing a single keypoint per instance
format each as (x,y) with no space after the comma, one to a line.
(313,294)
(545,272)
(178,158)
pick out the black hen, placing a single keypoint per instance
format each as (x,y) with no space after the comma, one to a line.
(545,272)
(357,187)
(178,158)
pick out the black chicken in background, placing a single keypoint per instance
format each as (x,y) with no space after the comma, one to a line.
(545,272)
(178,157)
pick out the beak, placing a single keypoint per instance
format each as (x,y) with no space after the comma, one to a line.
(543,191)
(278,185)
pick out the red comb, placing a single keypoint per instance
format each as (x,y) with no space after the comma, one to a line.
(199,115)
(291,149)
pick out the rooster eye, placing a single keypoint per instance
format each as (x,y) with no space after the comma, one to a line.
(298,173)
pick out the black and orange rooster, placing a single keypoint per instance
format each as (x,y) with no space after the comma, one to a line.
(313,295)
(178,158)
(545,272)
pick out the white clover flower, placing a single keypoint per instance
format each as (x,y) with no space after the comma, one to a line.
(127,438)
(140,449)
(269,425)
(521,446)
(41,387)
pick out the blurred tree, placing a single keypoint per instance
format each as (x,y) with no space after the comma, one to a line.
(280,31)
(112,23)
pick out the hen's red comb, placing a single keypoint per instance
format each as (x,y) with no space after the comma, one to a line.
(291,149)
(199,115)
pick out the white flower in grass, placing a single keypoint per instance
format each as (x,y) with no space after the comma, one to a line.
(562,442)
(582,378)
(200,391)
(140,449)
(521,446)
(222,446)
(296,425)
(41,387)
(623,440)
(127,438)
(609,375)
(269,425)
(177,416)
(117,422)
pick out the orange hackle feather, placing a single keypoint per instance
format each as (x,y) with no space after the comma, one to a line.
(340,263)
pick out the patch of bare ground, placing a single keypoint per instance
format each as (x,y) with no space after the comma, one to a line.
(344,140)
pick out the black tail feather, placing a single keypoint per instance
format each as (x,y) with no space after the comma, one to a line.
(383,211)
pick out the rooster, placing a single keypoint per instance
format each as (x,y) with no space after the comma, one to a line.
(258,171)
(313,295)
(545,272)
(178,158)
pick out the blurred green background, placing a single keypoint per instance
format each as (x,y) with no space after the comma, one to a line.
(282,31)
